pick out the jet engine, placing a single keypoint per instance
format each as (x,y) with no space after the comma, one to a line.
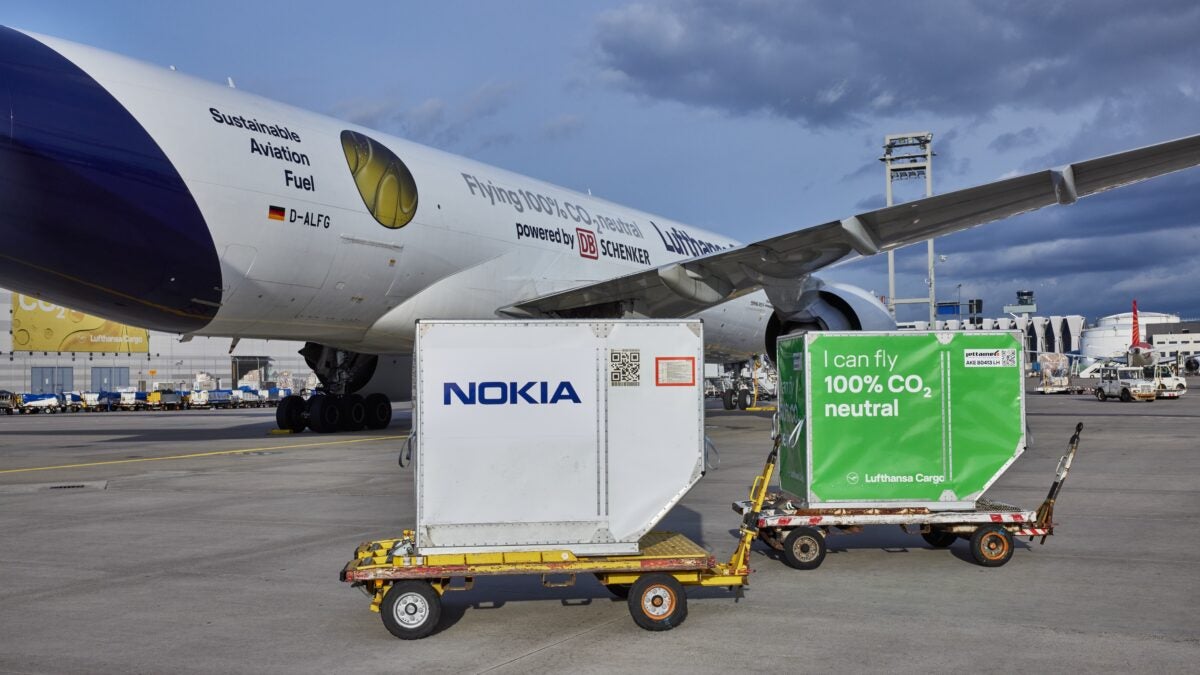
(826,306)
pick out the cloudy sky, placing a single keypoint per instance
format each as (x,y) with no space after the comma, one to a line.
(752,118)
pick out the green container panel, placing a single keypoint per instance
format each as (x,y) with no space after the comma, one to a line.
(899,419)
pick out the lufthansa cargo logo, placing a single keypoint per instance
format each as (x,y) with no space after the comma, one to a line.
(384,182)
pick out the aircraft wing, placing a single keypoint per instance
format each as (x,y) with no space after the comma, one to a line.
(683,288)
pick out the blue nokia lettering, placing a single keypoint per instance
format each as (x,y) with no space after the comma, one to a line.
(508,393)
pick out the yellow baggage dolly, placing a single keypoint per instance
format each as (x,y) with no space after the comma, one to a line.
(406,587)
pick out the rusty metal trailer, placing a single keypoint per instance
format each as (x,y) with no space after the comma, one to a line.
(406,587)
(799,533)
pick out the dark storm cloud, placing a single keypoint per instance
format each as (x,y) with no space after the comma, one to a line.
(1015,139)
(832,63)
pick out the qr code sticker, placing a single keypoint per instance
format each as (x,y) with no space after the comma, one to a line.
(625,367)
(1008,357)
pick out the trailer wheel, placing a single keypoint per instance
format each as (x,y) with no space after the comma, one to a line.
(804,548)
(411,609)
(1125,396)
(939,538)
(290,414)
(1100,396)
(657,602)
(991,546)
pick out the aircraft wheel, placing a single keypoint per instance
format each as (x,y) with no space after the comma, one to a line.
(379,411)
(411,609)
(743,399)
(727,399)
(804,548)
(354,413)
(290,414)
(323,414)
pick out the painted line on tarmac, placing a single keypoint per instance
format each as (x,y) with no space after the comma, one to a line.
(194,455)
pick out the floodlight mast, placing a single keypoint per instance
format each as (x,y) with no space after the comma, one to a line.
(915,162)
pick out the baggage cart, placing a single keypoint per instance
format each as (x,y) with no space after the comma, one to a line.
(799,533)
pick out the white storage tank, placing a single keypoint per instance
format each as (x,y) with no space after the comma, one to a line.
(554,435)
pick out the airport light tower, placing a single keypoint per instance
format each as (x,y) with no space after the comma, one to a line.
(908,157)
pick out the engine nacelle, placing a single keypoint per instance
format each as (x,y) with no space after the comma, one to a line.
(832,306)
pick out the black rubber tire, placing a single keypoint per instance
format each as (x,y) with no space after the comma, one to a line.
(657,602)
(354,412)
(991,546)
(1125,396)
(411,609)
(743,399)
(727,399)
(939,538)
(1100,395)
(619,590)
(290,414)
(804,548)
(324,416)
(379,411)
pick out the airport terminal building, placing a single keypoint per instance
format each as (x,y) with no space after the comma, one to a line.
(45,348)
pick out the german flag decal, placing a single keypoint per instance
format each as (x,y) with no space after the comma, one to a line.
(275,213)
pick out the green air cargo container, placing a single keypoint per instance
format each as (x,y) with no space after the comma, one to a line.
(898,419)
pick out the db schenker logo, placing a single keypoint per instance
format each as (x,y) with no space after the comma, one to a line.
(588,248)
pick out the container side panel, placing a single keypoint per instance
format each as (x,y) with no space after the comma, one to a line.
(509,418)
(655,421)
(793,465)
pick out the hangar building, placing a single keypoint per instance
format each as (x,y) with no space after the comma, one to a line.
(45,348)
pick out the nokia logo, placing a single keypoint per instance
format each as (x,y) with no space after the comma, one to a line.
(508,393)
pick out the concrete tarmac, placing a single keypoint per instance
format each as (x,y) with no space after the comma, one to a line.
(194,542)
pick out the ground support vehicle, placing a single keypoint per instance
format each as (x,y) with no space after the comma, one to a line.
(745,391)
(800,533)
(72,402)
(168,400)
(1124,383)
(9,402)
(1166,383)
(406,588)
(1055,372)
(221,398)
(39,403)
(247,398)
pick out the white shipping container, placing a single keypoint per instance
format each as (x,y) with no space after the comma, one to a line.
(548,435)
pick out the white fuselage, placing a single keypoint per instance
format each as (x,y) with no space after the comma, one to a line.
(481,238)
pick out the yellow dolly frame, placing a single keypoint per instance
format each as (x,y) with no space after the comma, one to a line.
(406,588)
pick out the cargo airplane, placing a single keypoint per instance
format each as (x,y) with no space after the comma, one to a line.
(150,197)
